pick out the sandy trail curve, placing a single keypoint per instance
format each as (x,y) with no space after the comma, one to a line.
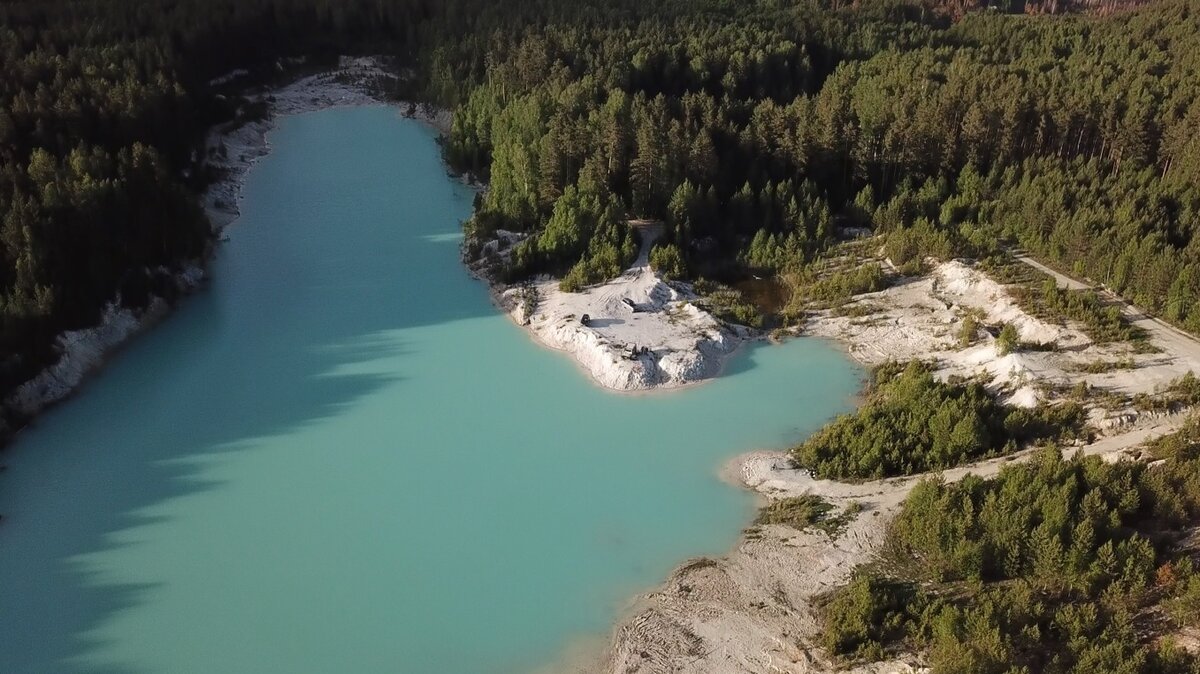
(1170,338)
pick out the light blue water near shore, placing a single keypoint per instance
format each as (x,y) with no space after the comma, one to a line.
(341,458)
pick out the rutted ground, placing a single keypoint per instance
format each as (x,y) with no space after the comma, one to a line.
(753,610)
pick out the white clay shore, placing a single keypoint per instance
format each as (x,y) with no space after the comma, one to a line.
(753,611)
(642,332)
(685,343)
(233,148)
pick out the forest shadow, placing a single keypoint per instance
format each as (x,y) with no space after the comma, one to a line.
(208,381)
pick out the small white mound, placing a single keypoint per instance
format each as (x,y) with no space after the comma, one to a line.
(1011,372)
(967,287)
(1026,396)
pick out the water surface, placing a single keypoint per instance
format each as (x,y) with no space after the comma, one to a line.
(342,458)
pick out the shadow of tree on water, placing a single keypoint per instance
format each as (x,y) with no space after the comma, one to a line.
(218,374)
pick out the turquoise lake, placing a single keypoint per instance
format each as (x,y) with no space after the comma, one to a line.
(341,458)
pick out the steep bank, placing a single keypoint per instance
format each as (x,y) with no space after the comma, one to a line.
(634,332)
(81,352)
(232,149)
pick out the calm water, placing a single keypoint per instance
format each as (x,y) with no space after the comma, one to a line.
(341,458)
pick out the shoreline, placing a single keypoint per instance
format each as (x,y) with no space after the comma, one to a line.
(84,352)
(754,608)
(750,609)
(312,93)
(667,389)
(236,146)
(641,334)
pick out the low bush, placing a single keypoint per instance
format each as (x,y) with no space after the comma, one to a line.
(1008,340)
(668,262)
(728,304)
(808,511)
(1102,322)
(1180,393)
(913,423)
(838,287)
(869,612)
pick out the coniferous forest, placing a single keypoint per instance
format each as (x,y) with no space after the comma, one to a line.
(755,130)
(758,131)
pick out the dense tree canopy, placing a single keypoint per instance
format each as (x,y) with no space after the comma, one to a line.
(912,423)
(755,138)
(1052,566)
(755,130)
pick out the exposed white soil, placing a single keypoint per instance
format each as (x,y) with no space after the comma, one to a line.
(233,149)
(753,610)
(921,318)
(82,351)
(641,332)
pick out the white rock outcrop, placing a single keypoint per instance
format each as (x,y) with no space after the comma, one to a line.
(667,342)
(641,332)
